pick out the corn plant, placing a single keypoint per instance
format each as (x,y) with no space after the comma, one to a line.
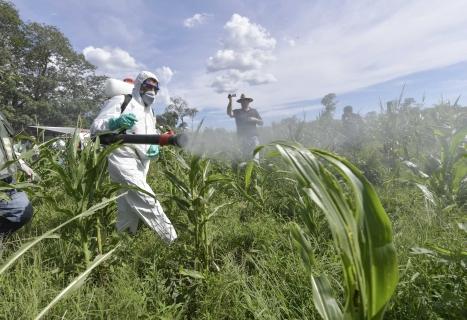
(244,182)
(360,228)
(445,177)
(51,233)
(194,186)
(81,171)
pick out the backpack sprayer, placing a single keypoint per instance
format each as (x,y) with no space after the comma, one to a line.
(168,138)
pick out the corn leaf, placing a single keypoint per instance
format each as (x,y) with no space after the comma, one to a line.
(24,248)
(361,228)
(323,299)
(77,282)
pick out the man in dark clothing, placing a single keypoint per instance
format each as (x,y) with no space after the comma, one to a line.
(353,126)
(246,120)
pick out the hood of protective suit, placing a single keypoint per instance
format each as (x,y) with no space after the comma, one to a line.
(142,76)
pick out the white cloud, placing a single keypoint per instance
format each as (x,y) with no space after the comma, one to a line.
(196,19)
(112,61)
(242,34)
(291,42)
(247,48)
(232,80)
(230,59)
(374,41)
(337,49)
(164,74)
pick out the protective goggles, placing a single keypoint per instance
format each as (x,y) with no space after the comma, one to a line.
(150,86)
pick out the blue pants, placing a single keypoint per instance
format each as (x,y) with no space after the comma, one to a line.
(15,212)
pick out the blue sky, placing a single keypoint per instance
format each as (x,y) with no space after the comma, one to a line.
(284,54)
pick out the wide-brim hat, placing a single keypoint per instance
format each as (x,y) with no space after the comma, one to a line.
(243,98)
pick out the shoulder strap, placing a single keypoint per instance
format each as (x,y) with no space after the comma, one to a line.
(125,102)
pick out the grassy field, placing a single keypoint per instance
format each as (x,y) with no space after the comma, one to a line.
(236,257)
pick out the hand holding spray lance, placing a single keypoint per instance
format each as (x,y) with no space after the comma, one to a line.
(229,106)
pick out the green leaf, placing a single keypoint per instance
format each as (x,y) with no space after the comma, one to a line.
(426,193)
(216,209)
(77,282)
(25,247)
(323,299)
(456,140)
(306,250)
(248,173)
(359,224)
(191,273)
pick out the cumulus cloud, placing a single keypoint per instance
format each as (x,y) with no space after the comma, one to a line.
(165,75)
(230,59)
(196,19)
(342,49)
(112,61)
(231,80)
(247,48)
(118,63)
(242,34)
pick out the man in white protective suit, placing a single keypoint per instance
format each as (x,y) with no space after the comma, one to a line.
(129,164)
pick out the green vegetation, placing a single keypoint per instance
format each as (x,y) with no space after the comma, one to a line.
(302,234)
(322,227)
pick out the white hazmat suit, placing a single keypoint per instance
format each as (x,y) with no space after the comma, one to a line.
(129,165)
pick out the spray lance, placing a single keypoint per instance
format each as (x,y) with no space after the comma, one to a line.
(168,138)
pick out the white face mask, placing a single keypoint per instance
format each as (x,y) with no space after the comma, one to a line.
(148,97)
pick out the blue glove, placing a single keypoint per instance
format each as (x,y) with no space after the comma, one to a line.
(125,121)
(153,151)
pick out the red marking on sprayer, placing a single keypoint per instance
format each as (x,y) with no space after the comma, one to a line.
(164,139)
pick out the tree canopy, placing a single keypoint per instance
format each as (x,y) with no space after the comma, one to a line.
(42,79)
(175,113)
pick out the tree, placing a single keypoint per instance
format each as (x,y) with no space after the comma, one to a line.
(329,102)
(43,79)
(180,107)
(12,38)
(168,120)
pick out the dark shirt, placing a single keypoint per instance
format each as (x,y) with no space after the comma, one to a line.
(246,127)
(351,120)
